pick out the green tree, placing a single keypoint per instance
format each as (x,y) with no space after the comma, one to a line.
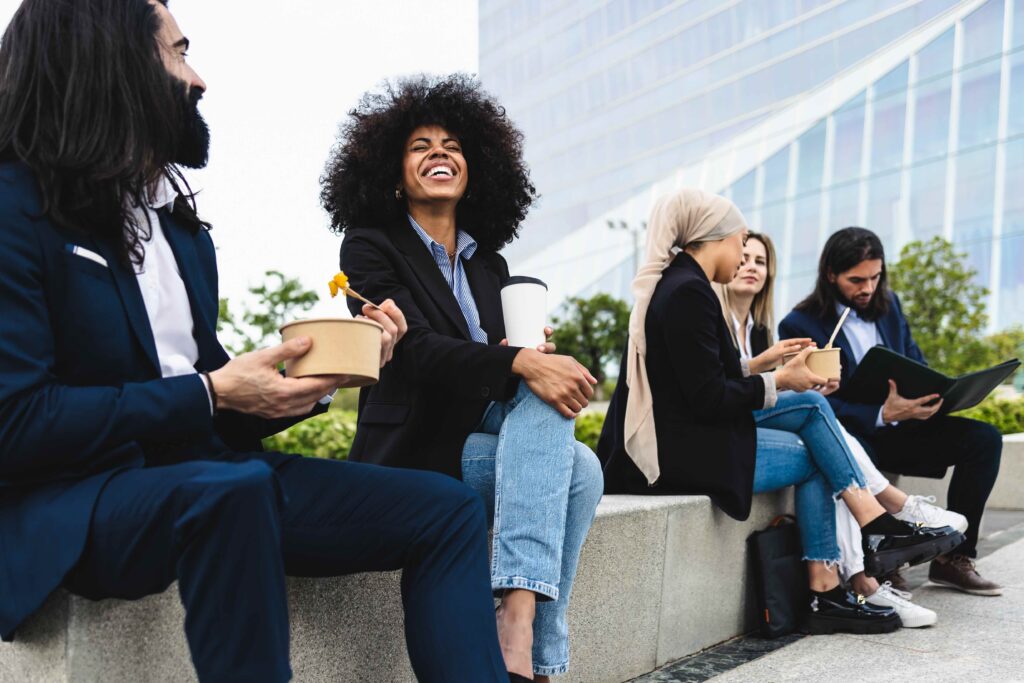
(944,304)
(277,300)
(593,331)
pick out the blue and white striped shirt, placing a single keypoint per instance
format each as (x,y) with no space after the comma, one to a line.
(465,247)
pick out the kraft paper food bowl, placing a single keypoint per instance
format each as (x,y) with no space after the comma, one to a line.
(341,346)
(822,362)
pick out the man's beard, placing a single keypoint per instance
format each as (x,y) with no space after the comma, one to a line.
(863,310)
(194,142)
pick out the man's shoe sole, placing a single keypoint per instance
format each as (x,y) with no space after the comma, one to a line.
(821,625)
(987,592)
(885,561)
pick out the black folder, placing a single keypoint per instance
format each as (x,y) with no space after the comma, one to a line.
(870,381)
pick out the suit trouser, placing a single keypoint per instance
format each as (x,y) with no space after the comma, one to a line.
(972,448)
(229,532)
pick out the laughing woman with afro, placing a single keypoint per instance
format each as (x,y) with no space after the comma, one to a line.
(427,183)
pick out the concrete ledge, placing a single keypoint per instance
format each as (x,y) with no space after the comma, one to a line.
(660,578)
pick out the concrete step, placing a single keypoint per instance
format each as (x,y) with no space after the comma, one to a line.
(659,578)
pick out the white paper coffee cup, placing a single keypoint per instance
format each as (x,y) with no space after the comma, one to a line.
(524,302)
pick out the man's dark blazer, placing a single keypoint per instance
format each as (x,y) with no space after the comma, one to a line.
(859,418)
(81,396)
(703,406)
(434,393)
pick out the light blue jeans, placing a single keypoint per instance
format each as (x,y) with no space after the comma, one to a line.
(799,443)
(541,488)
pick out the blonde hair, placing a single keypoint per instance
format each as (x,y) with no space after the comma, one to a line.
(762,308)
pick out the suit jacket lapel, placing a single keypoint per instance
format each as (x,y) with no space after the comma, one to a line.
(429,275)
(183,245)
(888,335)
(486,287)
(131,298)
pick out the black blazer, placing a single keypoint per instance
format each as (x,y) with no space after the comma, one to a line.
(702,403)
(434,393)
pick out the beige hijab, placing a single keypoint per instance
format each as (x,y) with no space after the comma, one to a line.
(678,220)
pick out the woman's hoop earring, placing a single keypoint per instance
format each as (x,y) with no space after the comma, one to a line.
(398,193)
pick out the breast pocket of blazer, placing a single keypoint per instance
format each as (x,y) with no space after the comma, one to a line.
(384,413)
(88,265)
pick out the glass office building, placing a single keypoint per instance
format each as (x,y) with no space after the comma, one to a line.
(906,117)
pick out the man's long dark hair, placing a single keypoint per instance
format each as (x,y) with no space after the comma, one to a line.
(844,250)
(87,103)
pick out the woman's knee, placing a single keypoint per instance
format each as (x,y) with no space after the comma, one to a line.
(588,478)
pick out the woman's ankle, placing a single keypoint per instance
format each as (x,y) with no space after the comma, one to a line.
(821,578)
(519,605)
(863,506)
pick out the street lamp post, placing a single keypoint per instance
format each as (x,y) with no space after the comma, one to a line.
(635,232)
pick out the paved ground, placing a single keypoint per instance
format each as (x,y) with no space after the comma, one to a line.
(976,638)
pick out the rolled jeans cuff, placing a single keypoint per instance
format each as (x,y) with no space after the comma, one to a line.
(544,591)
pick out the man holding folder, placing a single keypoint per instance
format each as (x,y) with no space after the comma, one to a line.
(902,435)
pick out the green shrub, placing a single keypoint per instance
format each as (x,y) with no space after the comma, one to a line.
(324,436)
(588,428)
(1006,415)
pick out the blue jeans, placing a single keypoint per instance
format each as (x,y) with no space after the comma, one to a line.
(799,443)
(541,487)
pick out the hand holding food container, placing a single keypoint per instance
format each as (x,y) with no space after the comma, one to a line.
(524,305)
(825,362)
(341,346)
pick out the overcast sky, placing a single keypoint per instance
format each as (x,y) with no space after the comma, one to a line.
(281,76)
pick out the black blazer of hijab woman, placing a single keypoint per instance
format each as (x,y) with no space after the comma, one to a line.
(702,403)
(432,396)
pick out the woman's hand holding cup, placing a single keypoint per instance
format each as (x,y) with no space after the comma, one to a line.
(797,376)
(546,347)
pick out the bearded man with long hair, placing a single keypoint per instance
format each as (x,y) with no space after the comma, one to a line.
(130,451)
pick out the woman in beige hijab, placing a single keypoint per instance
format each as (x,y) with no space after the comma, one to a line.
(685,420)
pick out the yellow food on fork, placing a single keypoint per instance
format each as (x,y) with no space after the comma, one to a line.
(339,283)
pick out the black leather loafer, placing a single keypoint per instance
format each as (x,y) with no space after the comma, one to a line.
(886,553)
(852,614)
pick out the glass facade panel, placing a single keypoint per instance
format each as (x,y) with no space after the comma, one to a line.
(928,187)
(933,97)
(975,196)
(742,193)
(889,124)
(1011,285)
(849,141)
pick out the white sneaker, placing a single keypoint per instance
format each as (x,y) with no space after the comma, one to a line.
(912,616)
(923,509)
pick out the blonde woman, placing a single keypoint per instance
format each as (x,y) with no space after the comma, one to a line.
(747,304)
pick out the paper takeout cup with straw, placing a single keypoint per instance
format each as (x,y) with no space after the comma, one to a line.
(822,362)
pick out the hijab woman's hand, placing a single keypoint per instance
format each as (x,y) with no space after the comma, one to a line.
(797,376)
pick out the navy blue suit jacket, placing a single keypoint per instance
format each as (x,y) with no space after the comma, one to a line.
(81,395)
(859,418)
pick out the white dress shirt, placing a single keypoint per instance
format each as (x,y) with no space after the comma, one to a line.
(163,291)
(771,392)
(165,296)
(862,335)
